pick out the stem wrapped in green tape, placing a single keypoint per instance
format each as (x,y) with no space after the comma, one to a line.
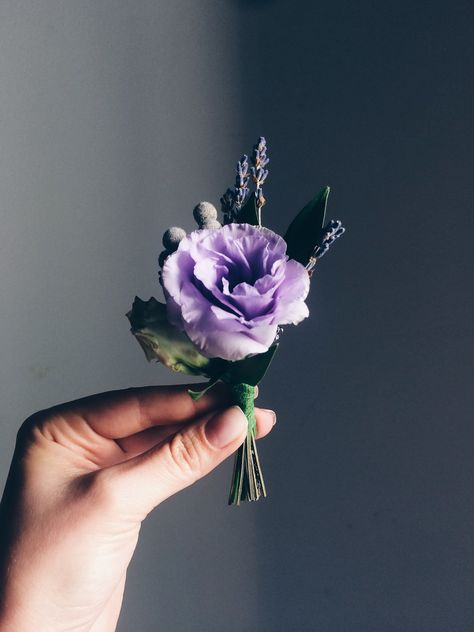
(247,480)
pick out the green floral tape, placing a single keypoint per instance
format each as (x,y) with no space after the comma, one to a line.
(243,395)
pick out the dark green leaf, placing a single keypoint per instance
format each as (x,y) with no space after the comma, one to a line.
(195,395)
(248,214)
(250,370)
(247,371)
(304,231)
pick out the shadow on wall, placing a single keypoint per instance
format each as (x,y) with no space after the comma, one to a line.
(368,513)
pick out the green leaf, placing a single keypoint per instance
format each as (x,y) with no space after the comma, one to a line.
(195,395)
(161,341)
(304,231)
(249,370)
(248,214)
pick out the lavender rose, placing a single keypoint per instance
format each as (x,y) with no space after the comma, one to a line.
(230,288)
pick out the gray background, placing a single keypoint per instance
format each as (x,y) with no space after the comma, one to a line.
(115,119)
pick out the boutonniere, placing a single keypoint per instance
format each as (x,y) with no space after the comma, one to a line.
(229,288)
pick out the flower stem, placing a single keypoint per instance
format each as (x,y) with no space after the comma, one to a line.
(247,480)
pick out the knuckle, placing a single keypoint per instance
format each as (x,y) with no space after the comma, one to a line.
(186,454)
(34,427)
(39,427)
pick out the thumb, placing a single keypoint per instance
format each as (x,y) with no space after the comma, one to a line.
(146,480)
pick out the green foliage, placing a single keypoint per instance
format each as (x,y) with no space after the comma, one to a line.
(195,395)
(249,370)
(304,231)
(162,342)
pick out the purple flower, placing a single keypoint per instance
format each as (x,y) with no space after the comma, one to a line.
(230,289)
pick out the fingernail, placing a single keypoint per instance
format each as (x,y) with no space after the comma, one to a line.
(226,427)
(255,394)
(272,413)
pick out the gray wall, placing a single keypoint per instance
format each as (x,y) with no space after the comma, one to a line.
(115,118)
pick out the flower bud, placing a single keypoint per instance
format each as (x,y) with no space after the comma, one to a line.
(204,212)
(212,224)
(172,237)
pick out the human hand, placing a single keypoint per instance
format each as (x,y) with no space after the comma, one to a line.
(84,476)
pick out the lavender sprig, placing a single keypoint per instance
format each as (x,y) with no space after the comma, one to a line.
(241,182)
(233,199)
(332,231)
(259,174)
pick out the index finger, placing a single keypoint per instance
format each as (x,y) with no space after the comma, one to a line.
(118,414)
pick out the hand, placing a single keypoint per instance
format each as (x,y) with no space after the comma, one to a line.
(84,476)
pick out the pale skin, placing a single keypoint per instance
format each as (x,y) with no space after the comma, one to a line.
(83,478)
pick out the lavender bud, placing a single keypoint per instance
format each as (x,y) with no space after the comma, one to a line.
(204,212)
(172,237)
(332,231)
